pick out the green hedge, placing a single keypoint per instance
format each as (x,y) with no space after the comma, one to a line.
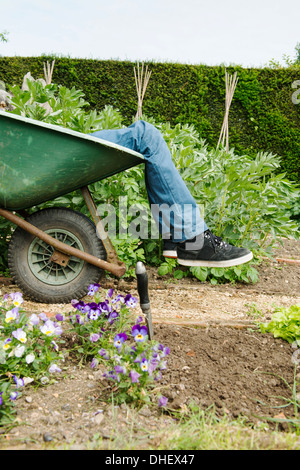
(262,115)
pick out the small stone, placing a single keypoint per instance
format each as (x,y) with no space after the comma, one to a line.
(28,399)
(66,407)
(98,418)
(47,437)
(145,411)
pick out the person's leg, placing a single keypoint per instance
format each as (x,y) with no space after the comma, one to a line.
(180,217)
(173,207)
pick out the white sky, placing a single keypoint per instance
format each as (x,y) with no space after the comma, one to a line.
(249,33)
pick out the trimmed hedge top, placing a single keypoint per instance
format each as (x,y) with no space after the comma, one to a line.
(262,116)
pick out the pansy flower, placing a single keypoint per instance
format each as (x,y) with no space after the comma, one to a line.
(102,352)
(93,288)
(139,332)
(12,315)
(144,365)
(120,370)
(94,363)
(34,319)
(30,358)
(93,311)
(7,344)
(18,351)
(43,316)
(109,293)
(134,376)
(17,298)
(130,301)
(80,306)
(13,395)
(162,401)
(79,319)
(119,339)
(110,375)
(18,381)
(20,335)
(94,337)
(105,307)
(48,328)
(164,350)
(112,317)
(118,298)
(54,368)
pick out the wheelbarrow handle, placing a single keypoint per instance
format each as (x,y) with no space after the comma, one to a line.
(63,247)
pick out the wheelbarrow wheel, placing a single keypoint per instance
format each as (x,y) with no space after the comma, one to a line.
(39,277)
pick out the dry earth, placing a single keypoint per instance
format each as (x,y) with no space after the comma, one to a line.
(217,358)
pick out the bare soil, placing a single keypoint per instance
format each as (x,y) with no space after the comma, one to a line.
(218,358)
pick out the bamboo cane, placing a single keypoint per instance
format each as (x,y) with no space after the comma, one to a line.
(48,73)
(141,83)
(230,86)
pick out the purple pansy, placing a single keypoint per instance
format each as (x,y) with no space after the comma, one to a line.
(162,401)
(19,382)
(20,335)
(120,370)
(54,368)
(93,311)
(93,288)
(119,339)
(109,293)
(112,317)
(134,376)
(103,353)
(130,301)
(144,365)
(118,298)
(110,375)
(79,319)
(34,319)
(94,337)
(139,332)
(80,306)
(105,307)
(13,395)
(94,363)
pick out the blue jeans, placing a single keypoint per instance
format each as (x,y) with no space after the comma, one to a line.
(172,205)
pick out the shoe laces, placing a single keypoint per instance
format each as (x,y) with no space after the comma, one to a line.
(215,240)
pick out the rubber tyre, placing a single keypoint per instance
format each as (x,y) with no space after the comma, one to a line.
(80,228)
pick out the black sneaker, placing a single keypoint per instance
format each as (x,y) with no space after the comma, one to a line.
(211,251)
(169,249)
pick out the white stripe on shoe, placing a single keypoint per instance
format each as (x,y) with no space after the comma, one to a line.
(170,254)
(216,264)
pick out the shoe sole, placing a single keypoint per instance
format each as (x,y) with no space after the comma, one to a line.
(216,264)
(170,254)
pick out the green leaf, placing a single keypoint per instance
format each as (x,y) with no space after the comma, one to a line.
(178,274)
(199,272)
(163,270)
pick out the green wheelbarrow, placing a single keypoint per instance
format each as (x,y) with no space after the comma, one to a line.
(55,253)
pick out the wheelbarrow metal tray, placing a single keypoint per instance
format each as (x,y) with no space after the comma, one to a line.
(41,161)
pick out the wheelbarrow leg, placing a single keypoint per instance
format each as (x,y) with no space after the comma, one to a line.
(112,256)
(142,285)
